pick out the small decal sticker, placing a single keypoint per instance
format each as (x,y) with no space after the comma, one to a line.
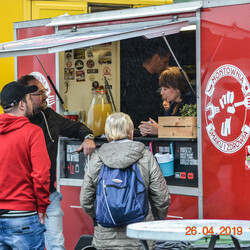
(79,64)
(68,56)
(91,78)
(79,53)
(92,71)
(80,76)
(247,161)
(69,64)
(69,74)
(107,71)
(90,63)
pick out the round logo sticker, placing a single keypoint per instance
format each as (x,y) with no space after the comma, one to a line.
(79,64)
(90,63)
(68,64)
(107,71)
(227,103)
(91,78)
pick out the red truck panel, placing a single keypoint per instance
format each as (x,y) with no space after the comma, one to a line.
(225,75)
(28,64)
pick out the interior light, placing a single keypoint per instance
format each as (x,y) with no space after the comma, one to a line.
(165,30)
(189,27)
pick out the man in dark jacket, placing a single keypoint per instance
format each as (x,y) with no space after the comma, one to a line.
(140,98)
(53,126)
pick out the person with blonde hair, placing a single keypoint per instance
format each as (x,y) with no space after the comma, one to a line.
(174,90)
(120,153)
(119,126)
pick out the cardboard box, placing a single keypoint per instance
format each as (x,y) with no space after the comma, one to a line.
(177,127)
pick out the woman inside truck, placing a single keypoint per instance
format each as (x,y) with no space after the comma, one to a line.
(175,91)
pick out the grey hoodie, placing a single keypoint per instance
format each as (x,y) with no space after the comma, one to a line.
(122,154)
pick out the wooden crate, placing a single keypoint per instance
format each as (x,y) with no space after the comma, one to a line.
(177,127)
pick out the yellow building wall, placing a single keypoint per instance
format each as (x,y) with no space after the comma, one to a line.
(47,9)
(10,11)
(133,3)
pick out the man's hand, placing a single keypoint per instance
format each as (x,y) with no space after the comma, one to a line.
(149,128)
(41,217)
(88,147)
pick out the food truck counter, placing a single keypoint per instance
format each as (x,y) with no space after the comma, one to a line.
(183,184)
(185,172)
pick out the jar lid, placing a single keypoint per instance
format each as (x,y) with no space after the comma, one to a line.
(100,91)
(70,113)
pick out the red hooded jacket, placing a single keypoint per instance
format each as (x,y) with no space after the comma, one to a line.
(24,165)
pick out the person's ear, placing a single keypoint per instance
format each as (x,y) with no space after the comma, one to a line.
(132,135)
(22,105)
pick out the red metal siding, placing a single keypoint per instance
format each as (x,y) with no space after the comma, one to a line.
(75,221)
(28,64)
(225,73)
(183,206)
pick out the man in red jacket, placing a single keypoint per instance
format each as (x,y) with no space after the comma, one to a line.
(24,172)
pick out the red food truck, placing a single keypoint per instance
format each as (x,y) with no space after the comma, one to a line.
(211,177)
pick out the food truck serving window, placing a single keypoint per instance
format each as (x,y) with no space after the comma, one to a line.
(85,37)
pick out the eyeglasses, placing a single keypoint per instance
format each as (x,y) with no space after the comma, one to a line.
(41,93)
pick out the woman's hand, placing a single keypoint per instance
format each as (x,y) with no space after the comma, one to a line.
(149,128)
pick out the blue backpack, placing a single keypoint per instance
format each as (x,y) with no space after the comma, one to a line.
(120,197)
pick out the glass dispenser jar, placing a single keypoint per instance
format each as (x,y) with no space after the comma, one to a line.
(98,112)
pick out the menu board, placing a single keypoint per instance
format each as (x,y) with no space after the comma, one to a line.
(185,162)
(73,164)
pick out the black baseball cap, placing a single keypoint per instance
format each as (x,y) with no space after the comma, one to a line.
(13,92)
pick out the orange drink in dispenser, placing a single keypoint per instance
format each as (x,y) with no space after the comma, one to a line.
(98,112)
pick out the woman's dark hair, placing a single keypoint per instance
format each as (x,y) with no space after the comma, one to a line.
(173,78)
